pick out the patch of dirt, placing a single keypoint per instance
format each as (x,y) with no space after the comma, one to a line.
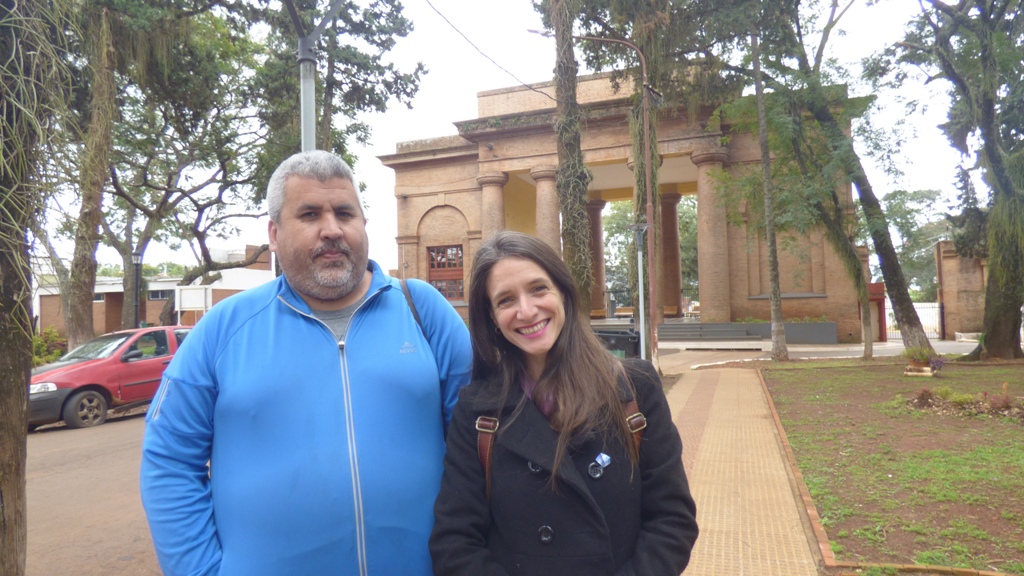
(855,441)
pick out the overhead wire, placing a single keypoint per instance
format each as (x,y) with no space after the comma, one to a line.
(484,54)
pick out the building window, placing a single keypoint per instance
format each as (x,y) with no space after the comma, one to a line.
(97,297)
(159,294)
(445,272)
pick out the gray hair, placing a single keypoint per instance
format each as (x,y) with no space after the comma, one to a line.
(318,164)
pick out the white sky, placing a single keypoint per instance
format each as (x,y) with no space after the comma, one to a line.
(457,71)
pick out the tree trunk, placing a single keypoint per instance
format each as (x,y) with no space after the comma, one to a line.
(780,352)
(95,166)
(1001,336)
(15,367)
(895,284)
(572,177)
(24,92)
(866,333)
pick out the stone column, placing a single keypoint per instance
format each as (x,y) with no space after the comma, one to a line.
(712,238)
(547,225)
(594,208)
(492,202)
(671,278)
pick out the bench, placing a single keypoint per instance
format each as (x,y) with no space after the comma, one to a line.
(624,312)
(598,314)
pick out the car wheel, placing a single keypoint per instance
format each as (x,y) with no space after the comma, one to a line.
(84,409)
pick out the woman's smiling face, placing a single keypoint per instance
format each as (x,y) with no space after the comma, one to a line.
(527,307)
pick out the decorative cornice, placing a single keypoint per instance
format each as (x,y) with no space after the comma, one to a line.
(710,155)
(492,178)
(544,172)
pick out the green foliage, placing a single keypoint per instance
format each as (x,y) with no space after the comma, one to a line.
(896,407)
(687,213)
(962,400)
(619,244)
(918,353)
(969,228)
(933,558)
(110,270)
(917,225)
(975,47)
(874,533)
(48,346)
(352,64)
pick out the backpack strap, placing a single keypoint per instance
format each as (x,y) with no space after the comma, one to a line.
(636,421)
(485,429)
(412,306)
(487,426)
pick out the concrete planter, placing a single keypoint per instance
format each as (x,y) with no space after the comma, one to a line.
(796,332)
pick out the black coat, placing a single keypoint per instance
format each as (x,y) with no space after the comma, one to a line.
(644,525)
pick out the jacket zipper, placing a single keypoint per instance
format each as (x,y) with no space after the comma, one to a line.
(350,434)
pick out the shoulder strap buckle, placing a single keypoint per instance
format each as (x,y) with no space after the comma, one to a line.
(486,424)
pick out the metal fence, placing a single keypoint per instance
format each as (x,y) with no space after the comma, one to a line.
(625,297)
(930,314)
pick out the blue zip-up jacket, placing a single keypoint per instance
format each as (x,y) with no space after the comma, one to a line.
(324,457)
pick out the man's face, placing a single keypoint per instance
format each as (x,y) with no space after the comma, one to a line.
(321,240)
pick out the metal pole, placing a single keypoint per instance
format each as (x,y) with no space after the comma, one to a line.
(307,69)
(307,103)
(639,229)
(651,260)
(137,261)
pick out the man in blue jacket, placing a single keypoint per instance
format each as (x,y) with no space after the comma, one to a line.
(300,427)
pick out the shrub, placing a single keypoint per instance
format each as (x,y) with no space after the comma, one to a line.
(944,392)
(962,400)
(1002,401)
(48,346)
(918,354)
(810,319)
(924,396)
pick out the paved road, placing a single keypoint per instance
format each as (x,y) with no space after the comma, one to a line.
(84,513)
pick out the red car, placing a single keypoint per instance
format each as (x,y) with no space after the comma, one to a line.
(119,369)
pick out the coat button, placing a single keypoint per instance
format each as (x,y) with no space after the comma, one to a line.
(546,535)
(595,470)
(535,468)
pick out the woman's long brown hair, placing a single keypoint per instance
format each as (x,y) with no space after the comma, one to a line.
(580,373)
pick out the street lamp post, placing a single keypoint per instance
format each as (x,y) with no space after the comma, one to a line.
(307,69)
(639,230)
(651,260)
(137,265)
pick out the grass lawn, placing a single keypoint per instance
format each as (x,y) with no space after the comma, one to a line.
(904,475)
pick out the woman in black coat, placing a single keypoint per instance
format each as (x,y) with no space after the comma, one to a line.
(618,502)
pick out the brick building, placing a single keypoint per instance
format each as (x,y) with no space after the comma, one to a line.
(108,294)
(499,173)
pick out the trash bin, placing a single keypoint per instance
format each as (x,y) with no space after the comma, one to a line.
(621,343)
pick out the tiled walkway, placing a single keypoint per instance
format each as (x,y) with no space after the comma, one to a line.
(747,508)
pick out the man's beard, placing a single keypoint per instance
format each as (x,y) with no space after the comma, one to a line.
(334,280)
